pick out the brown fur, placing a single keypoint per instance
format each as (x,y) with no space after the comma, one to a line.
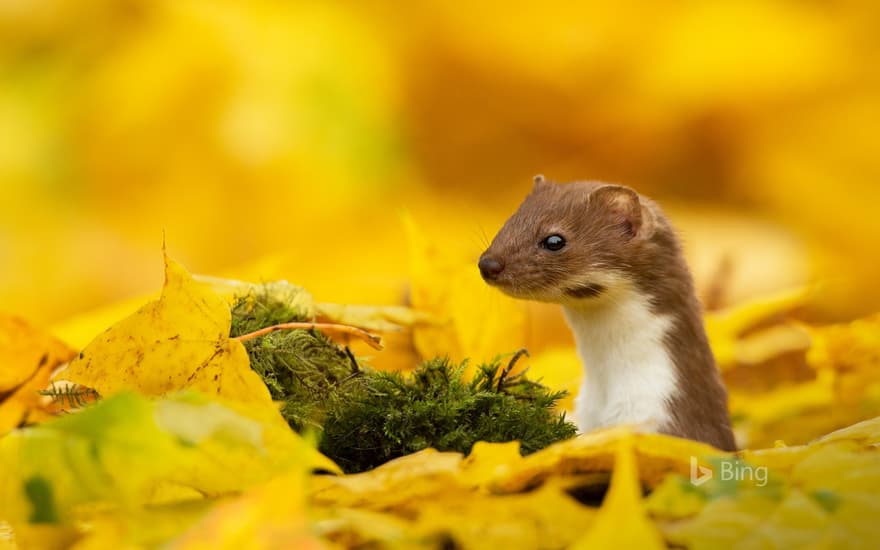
(612,229)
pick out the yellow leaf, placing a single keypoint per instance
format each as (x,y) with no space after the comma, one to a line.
(847,347)
(490,461)
(280,441)
(150,527)
(6,540)
(52,469)
(354,528)
(834,384)
(27,358)
(781,459)
(472,321)
(125,455)
(622,521)
(544,518)
(726,327)
(180,341)
(748,521)
(841,466)
(821,495)
(370,317)
(674,499)
(866,433)
(397,323)
(400,482)
(44,537)
(785,401)
(230,289)
(427,269)
(269,517)
(560,369)
(486,322)
(445,497)
(815,510)
(80,329)
(659,455)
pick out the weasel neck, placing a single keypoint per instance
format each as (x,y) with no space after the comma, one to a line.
(629,376)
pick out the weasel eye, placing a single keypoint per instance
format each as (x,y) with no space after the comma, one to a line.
(553,243)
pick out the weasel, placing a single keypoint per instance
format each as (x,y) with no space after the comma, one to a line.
(612,259)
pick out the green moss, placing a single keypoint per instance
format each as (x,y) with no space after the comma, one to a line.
(300,367)
(366,418)
(381,416)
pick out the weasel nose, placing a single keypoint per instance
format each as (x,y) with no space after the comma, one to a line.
(490,268)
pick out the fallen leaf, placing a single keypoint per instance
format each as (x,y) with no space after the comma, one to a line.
(399,482)
(726,327)
(269,517)
(27,358)
(821,495)
(355,528)
(544,518)
(180,341)
(658,454)
(230,290)
(378,318)
(472,321)
(489,461)
(560,369)
(622,521)
(866,433)
(119,456)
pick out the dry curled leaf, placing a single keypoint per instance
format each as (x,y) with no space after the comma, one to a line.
(27,358)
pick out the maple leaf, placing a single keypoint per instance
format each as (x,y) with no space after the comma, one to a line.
(180,341)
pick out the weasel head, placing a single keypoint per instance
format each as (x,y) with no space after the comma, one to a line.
(569,243)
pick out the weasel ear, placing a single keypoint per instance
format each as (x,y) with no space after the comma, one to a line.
(625,208)
(539,181)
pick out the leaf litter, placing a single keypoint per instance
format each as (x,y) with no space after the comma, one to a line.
(183,404)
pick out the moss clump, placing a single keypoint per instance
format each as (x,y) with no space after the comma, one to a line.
(382,415)
(365,418)
(300,367)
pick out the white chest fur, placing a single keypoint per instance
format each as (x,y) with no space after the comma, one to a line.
(628,374)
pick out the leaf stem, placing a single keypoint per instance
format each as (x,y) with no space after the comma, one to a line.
(372,340)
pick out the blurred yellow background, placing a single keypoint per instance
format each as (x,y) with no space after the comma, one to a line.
(275,139)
